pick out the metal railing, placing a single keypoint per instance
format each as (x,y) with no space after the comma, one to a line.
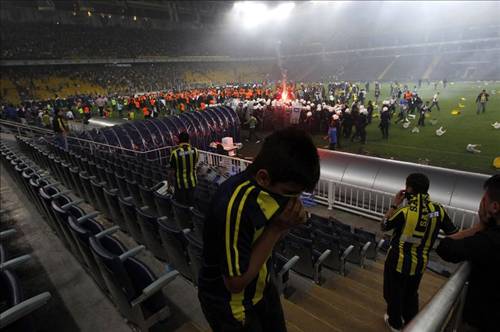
(446,307)
(363,201)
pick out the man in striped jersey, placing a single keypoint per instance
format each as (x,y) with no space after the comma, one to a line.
(183,160)
(248,216)
(416,227)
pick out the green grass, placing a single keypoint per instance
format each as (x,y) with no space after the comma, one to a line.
(425,147)
(449,149)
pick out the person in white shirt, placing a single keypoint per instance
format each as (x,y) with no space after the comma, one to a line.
(435,102)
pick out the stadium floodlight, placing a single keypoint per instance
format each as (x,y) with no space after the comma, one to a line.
(252,14)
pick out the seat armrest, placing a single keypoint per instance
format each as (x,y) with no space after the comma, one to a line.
(87,216)
(132,252)
(64,192)
(14,262)
(343,258)
(154,287)
(70,204)
(50,185)
(365,248)
(22,309)
(8,233)
(317,265)
(108,231)
(288,265)
(380,244)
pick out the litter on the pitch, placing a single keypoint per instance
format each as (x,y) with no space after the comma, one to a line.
(496,125)
(473,148)
(440,131)
(415,130)
(455,112)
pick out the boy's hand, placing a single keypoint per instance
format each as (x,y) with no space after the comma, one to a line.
(293,215)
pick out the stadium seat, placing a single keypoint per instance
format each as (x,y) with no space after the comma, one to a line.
(198,220)
(148,198)
(182,214)
(63,207)
(129,214)
(163,205)
(111,198)
(195,252)
(149,227)
(337,259)
(97,189)
(133,189)
(135,289)
(49,192)
(174,242)
(85,179)
(281,269)
(311,260)
(16,310)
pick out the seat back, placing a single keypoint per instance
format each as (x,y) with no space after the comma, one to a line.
(182,214)
(175,245)
(81,233)
(365,237)
(323,241)
(126,280)
(130,216)
(111,198)
(150,233)
(62,219)
(302,247)
(195,252)
(133,189)
(163,205)
(148,198)
(10,296)
(198,220)
(97,189)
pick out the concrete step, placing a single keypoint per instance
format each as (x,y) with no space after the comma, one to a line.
(305,320)
(331,310)
(188,327)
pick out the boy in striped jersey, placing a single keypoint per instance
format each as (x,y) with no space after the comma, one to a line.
(249,214)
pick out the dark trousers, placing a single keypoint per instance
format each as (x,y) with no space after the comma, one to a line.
(434,103)
(401,296)
(267,315)
(385,130)
(421,121)
(184,196)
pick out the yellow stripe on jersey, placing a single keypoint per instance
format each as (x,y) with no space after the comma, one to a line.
(267,204)
(262,278)
(237,308)
(228,226)
(237,228)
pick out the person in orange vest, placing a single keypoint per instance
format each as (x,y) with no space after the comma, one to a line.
(146,112)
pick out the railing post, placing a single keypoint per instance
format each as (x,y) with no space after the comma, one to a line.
(331,194)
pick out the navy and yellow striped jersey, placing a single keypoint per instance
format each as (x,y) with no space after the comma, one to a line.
(238,215)
(183,160)
(416,227)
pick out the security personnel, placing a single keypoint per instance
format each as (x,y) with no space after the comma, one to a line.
(249,214)
(183,162)
(416,227)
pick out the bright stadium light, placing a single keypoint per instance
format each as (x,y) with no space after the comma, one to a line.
(252,14)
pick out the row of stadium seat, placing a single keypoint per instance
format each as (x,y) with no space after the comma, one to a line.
(127,280)
(15,309)
(171,231)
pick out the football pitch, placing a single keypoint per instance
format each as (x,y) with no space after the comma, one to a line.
(448,150)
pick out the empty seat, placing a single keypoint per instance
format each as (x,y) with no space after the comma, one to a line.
(163,205)
(48,193)
(111,197)
(198,220)
(129,214)
(122,185)
(135,289)
(182,214)
(133,189)
(151,235)
(64,207)
(148,198)
(195,252)
(15,310)
(97,189)
(310,261)
(281,270)
(82,228)
(175,244)
(368,237)
(85,179)
(337,259)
